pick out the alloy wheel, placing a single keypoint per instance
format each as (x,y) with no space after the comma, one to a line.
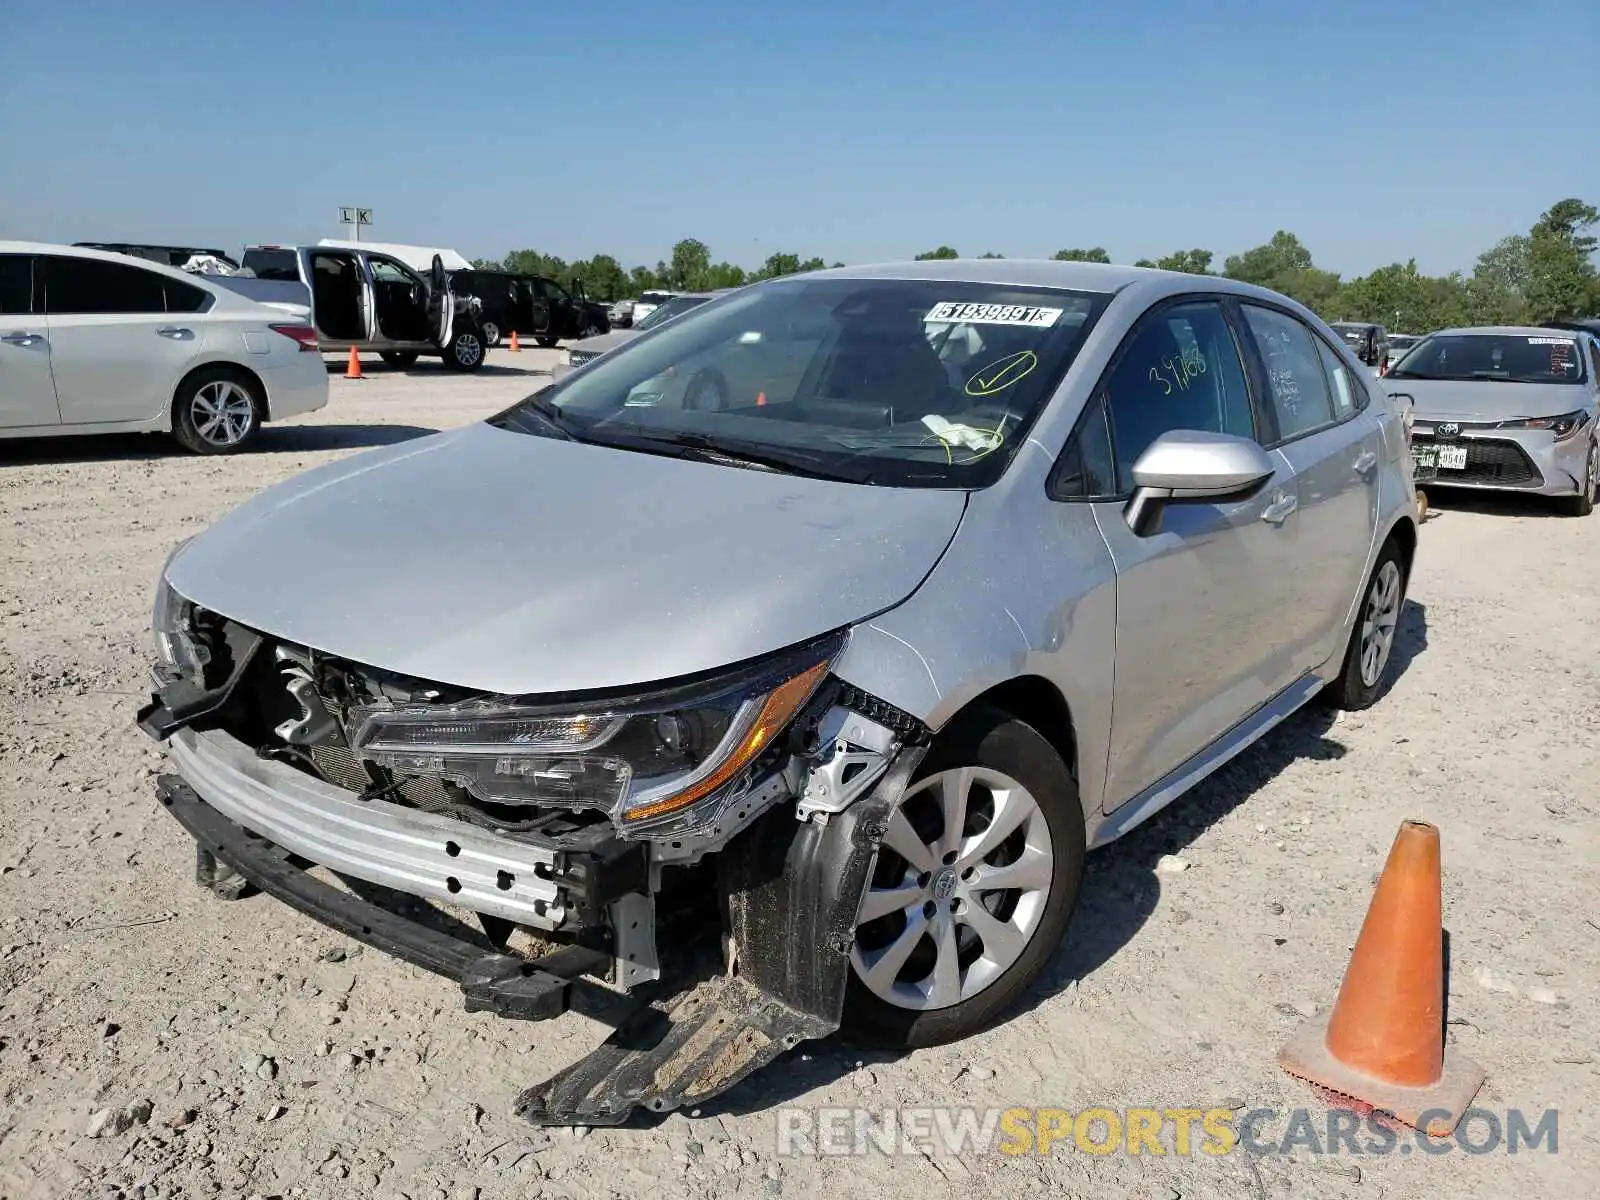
(1378,622)
(962,880)
(1593,472)
(491,333)
(468,350)
(223,413)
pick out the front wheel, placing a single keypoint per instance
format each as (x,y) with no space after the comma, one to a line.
(398,359)
(491,334)
(972,888)
(1371,647)
(1583,503)
(465,351)
(217,411)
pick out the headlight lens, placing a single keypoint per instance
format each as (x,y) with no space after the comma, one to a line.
(640,759)
(179,654)
(1563,426)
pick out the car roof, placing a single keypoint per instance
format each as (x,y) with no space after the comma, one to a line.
(1051,273)
(1508,330)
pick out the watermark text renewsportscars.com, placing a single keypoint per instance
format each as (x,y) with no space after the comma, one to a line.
(1102,1130)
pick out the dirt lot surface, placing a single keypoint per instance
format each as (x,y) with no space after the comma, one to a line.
(157,1042)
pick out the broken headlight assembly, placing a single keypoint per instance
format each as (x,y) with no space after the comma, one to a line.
(179,653)
(645,760)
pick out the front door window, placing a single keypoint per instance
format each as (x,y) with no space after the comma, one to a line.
(402,301)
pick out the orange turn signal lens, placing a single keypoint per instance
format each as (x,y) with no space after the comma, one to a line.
(779,708)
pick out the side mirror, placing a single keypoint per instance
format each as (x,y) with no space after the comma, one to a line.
(1193,465)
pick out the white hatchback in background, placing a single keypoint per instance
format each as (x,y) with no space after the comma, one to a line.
(94,342)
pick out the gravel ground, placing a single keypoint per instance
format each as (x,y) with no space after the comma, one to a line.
(157,1042)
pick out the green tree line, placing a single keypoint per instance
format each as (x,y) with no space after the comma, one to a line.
(1545,274)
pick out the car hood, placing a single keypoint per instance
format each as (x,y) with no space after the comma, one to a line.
(518,564)
(1472,400)
(601,342)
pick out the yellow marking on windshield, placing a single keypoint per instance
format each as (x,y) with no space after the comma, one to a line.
(1005,372)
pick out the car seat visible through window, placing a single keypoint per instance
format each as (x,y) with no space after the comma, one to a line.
(886,365)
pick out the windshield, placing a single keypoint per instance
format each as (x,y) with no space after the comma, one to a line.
(911,383)
(1506,357)
(668,309)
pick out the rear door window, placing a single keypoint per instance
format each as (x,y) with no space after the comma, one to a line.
(86,285)
(1300,394)
(16,285)
(185,298)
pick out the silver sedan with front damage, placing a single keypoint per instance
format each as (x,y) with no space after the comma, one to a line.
(1508,409)
(800,704)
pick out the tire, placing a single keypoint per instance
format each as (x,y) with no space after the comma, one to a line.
(707,392)
(491,334)
(994,745)
(591,330)
(465,351)
(1583,503)
(547,342)
(1381,606)
(217,411)
(400,360)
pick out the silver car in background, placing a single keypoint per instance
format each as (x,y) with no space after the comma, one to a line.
(1508,408)
(833,676)
(588,349)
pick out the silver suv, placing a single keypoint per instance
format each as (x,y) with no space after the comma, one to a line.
(790,658)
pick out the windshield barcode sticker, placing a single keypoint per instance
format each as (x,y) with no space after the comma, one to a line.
(1544,341)
(956,312)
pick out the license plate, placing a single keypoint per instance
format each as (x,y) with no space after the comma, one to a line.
(1453,458)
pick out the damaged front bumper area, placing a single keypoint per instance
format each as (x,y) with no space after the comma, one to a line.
(729,924)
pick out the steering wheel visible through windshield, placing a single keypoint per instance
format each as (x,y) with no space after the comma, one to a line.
(899,382)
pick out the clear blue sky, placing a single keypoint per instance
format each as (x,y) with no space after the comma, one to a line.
(852,129)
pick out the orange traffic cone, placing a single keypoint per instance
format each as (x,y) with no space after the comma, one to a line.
(352,369)
(1383,1044)
(515,348)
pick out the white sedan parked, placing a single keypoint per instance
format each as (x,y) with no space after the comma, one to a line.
(93,342)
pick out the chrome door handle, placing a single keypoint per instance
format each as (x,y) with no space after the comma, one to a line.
(1365,461)
(22,338)
(176,332)
(1282,505)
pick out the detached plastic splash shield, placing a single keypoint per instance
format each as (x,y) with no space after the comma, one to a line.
(675,1052)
